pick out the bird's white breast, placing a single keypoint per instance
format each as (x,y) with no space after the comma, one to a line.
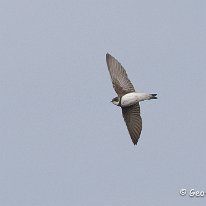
(132,98)
(129,99)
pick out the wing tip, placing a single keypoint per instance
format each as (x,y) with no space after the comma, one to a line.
(108,55)
(135,142)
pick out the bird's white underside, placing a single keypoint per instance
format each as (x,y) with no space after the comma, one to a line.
(133,98)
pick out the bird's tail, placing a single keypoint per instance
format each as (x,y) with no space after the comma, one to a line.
(153,96)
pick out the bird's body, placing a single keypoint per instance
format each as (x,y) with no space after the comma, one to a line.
(133,98)
(127,98)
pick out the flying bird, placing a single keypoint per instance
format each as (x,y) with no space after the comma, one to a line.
(127,98)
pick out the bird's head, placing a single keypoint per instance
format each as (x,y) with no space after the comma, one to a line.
(116,101)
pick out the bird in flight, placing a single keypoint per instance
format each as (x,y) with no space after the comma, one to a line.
(127,98)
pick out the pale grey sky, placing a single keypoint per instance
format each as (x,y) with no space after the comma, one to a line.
(62,141)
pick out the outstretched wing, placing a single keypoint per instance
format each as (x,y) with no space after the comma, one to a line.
(121,83)
(133,121)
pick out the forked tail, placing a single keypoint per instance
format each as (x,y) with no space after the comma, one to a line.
(153,96)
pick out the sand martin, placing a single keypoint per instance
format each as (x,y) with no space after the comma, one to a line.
(127,98)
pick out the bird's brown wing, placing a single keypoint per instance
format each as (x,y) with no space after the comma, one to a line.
(121,83)
(133,121)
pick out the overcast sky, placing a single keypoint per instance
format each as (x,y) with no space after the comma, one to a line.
(61,140)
